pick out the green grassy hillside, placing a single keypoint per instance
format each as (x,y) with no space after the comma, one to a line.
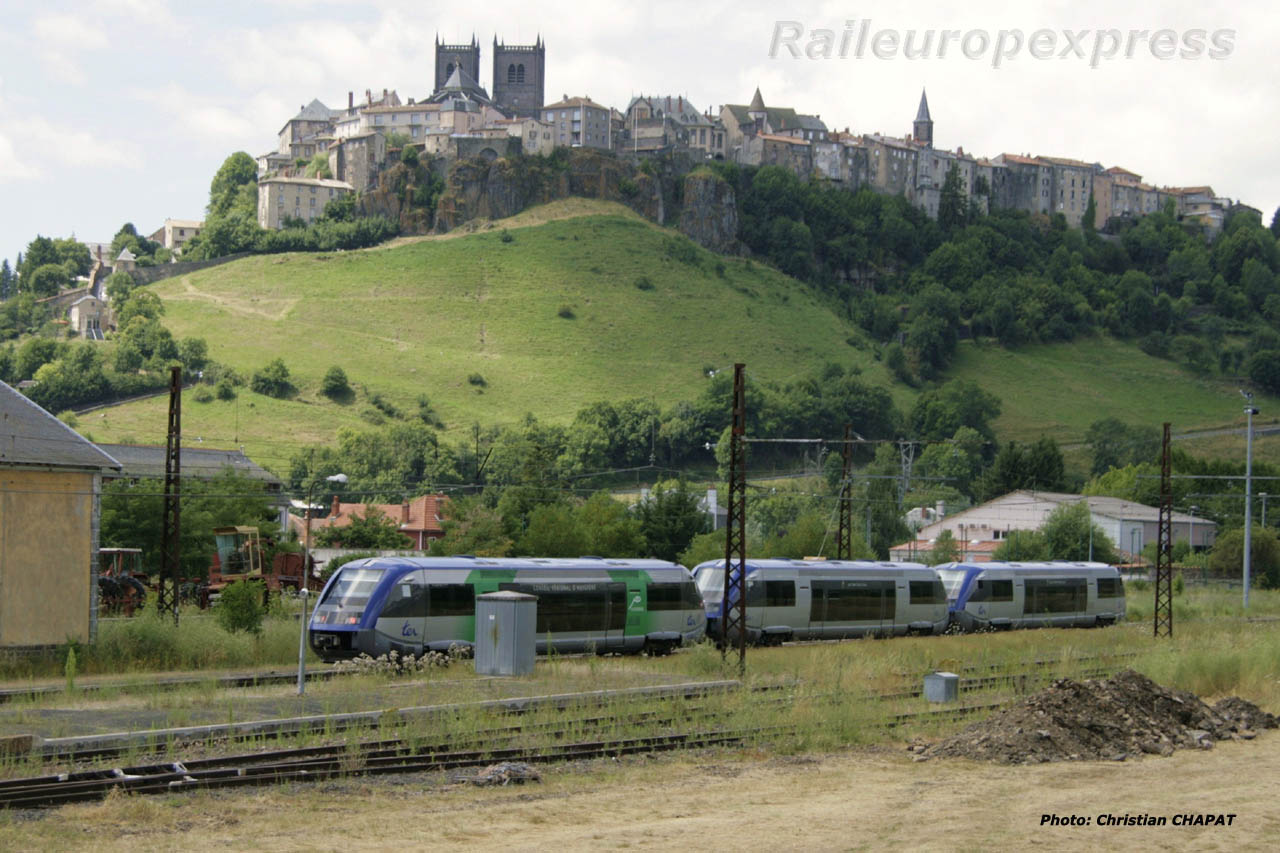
(649,314)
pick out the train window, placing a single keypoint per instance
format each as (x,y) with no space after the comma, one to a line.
(674,596)
(407,598)
(452,599)
(353,587)
(993,591)
(779,593)
(566,607)
(852,601)
(664,596)
(1110,588)
(927,592)
(1055,595)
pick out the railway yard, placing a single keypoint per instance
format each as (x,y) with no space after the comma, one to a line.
(823,745)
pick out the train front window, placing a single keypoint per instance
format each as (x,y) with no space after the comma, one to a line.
(711,585)
(352,587)
(952,582)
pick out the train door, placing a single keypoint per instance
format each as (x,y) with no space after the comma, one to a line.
(896,592)
(402,622)
(818,608)
(615,622)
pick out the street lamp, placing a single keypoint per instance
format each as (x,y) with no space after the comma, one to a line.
(303,616)
(1249,411)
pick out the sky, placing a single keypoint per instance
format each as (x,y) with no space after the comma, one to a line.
(115,111)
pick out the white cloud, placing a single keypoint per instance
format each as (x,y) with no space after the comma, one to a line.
(11,167)
(68,32)
(64,147)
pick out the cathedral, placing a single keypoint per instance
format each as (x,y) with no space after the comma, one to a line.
(519,72)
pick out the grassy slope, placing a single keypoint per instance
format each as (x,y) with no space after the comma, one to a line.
(422,317)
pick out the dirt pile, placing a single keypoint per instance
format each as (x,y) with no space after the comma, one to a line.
(1113,719)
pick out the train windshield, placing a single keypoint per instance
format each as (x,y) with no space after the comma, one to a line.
(711,585)
(953,581)
(353,587)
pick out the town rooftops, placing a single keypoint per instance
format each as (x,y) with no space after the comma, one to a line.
(318,182)
(576,101)
(140,460)
(126,255)
(30,436)
(1020,160)
(789,140)
(1066,161)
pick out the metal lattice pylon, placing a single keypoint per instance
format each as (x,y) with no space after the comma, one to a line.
(844,547)
(171,542)
(733,606)
(1164,552)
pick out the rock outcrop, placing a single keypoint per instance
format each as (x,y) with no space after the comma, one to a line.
(709,215)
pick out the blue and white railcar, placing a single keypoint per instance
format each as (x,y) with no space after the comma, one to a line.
(414,604)
(829,599)
(1032,595)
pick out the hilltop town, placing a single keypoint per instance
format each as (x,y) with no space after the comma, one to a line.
(323,153)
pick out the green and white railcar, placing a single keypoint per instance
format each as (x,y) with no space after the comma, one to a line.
(414,604)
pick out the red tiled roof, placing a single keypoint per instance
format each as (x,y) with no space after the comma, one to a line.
(419,519)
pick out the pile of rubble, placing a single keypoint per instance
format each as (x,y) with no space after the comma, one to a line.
(1113,719)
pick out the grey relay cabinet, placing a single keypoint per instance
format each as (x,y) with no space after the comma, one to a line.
(506,633)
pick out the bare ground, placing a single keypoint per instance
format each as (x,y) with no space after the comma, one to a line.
(874,798)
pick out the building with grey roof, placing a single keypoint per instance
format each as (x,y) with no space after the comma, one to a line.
(50,488)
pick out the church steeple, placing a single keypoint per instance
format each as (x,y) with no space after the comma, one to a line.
(922,127)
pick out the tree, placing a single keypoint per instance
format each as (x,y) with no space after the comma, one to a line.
(1022,546)
(945,549)
(334,385)
(940,412)
(1264,370)
(370,530)
(610,528)
(953,209)
(1089,221)
(553,531)
(1275,224)
(1227,557)
(409,156)
(118,286)
(46,280)
(237,171)
(669,519)
(1069,533)
(272,380)
(239,607)
(193,353)
(472,528)
(40,251)
(8,284)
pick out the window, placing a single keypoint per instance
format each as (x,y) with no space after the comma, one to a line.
(577,606)
(313,190)
(353,587)
(673,596)
(313,201)
(520,73)
(1055,595)
(451,599)
(993,591)
(511,74)
(1110,588)
(927,592)
(407,598)
(851,601)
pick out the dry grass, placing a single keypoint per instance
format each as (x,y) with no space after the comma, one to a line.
(853,799)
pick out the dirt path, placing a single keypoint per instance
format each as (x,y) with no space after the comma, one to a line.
(867,799)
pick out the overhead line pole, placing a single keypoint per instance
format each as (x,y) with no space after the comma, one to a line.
(733,606)
(844,531)
(1164,551)
(171,541)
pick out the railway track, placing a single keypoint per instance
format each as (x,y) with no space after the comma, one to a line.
(224,682)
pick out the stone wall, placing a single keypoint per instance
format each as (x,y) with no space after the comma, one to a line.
(150,275)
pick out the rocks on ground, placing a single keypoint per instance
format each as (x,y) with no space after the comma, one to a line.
(1107,719)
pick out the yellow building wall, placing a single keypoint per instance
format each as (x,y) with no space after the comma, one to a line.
(46,528)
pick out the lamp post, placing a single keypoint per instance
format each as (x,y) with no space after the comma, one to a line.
(1263,495)
(1191,527)
(1249,411)
(303,616)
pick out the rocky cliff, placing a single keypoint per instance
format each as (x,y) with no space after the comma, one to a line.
(709,213)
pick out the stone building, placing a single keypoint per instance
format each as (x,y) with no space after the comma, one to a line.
(579,122)
(922,127)
(453,56)
(519,77)
(892,165)
(1072,185)
(357,160)
(299,198)
(662,122)
(741,121)
(1024,183)
(175,233)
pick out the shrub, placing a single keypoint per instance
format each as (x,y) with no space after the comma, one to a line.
(477,380)
(643,283)
(506,236)
(225,389)
(240,607)
(384,405)
(272,380)
(335,383)
(203,394)
(566,311)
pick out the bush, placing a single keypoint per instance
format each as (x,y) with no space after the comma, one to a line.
(566,311)
(225,389)
(506,236)
(272,380)
(643,283)
(240,608)
(335,383)
(477,380)
(203,394)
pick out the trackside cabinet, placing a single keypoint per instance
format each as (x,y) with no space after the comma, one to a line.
(506,633)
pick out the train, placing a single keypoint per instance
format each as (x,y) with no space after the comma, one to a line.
(411,605)
(996,595)
(829,599)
